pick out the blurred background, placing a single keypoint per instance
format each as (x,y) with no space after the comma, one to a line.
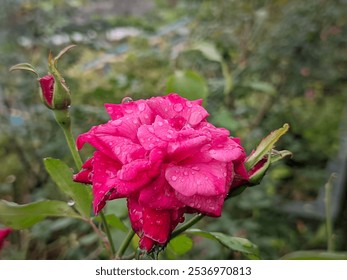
(257,64)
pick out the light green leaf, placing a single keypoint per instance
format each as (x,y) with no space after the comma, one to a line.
(265,146)
(209,51)
(181,244)
(113,221)
(62,176)
(26,215)
(315,255)
(188,84)
(234,243)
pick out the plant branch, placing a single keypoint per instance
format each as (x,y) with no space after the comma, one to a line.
(125,244)
(187,225)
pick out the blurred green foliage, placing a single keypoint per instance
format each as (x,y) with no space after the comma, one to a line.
(258,64)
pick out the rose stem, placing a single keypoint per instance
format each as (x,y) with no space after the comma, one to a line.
(187,225)
(125,244)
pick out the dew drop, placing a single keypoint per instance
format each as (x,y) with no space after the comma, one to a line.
(127,99)
(198,182)
(195,168)
(178,107)
(160,123)
(128,111)
(151,129)
(174,178)
(117,122)
(71,203)
(189,104)
(185,173)
(142,107)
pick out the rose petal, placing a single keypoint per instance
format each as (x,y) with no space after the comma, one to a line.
(159,195)
(211,205)
(104,180)
(156,224)
(207,179)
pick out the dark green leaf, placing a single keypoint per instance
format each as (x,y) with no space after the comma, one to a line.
(79,193)
(188,84)
(23,216)
(234,243)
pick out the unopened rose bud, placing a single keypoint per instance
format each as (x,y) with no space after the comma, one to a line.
(47,87)
(54,92)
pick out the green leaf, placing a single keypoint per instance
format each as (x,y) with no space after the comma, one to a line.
(188,84)
(113,221)
(209,51)
(26,215)
(62,176)
(181,244)
(234,243)
(315,255)
(265,146)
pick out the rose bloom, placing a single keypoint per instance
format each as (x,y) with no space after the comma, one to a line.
(3,234)
(166,159)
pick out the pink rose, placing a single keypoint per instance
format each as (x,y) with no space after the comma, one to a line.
(166,159)
(3,234)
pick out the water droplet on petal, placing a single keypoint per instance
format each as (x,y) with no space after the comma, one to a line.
(195,168)
(185,173)
(128,111)
(173,178)
(178,107)
(142,107)
(189,104)
(160,123)
(71,203)
(127,100)
(117,122)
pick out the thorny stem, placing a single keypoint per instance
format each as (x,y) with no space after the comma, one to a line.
(125,244)
(100,234)
(187,225)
